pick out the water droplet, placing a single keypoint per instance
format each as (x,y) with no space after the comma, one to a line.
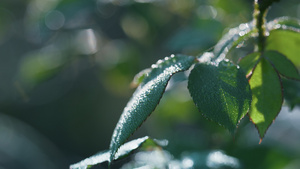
(283,26)
(241,44)
(277,26)
(243,26)
(242,33)
(206,57)
(267,33)
(233,31)
(159,61)
(153,66)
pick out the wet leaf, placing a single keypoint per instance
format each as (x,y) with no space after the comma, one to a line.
(286,42)
(221,93)
(284,23)
(138,78)
(266,96)
(282,64)
(249,62)
(233,38)
(124,151)
(146,97)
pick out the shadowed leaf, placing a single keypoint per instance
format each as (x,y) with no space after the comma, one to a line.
(282,64)
(221,93)
(249,62)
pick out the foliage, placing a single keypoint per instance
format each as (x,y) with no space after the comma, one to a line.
(124,150)
(146,97)
(67,66)
(224,92)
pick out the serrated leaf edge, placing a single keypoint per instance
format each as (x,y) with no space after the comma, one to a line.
(248,76)
(287,60)
(207,118)
(153,66)
(261,137)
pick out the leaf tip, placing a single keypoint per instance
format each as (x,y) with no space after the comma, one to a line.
(260,141)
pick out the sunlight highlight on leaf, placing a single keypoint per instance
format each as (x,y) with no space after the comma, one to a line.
(124,150)
(266,96)
(232,39)
(286,42)
(284,23)
(146,97)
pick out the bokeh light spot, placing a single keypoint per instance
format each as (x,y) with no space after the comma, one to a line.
(54,20)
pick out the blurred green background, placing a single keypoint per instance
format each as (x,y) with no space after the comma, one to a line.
(66,68)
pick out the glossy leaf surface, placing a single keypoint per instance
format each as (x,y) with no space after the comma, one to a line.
(266,96)
(146,97)
(124,150)
(286,42)
(221,93)
(249,62)
(232,39)
(282,64)
(284,23)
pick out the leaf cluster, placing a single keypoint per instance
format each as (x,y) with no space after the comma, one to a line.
(222,91)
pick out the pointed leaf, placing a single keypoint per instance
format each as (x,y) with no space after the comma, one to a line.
(248,62)
(146,97)
(266,96)
(286,42)
(124,150)
(282,64)
(221,93)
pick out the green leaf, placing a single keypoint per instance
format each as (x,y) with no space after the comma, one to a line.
(291,92)
(248,62)
(138,78)
(232,39)
(124,151)
(146,97)
(286,42)
(221,93)
(266,96)
(282,64)
(284,23)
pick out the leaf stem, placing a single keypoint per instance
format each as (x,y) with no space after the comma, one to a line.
(259,22)
(260,11)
